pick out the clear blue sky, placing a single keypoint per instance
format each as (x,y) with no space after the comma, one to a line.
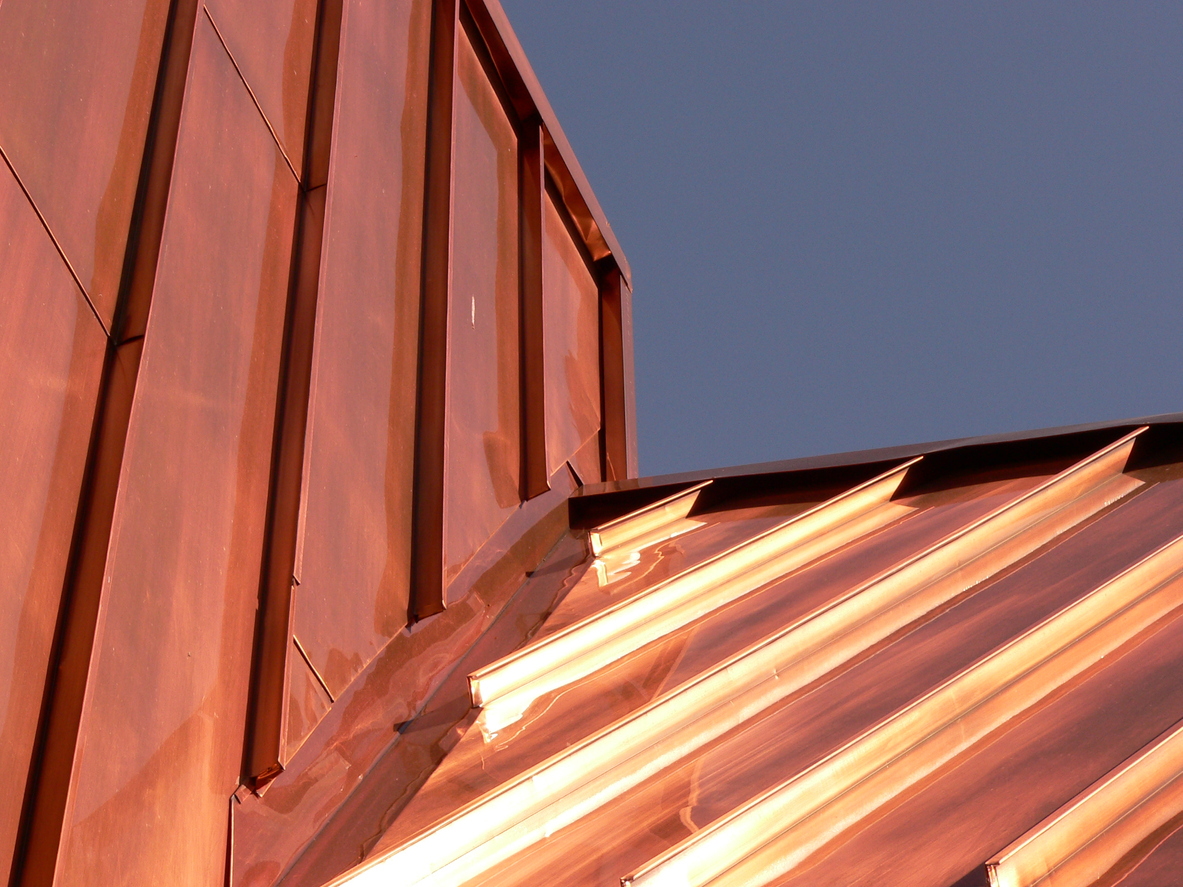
(863,224)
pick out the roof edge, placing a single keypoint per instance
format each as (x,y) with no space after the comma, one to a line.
(853,458)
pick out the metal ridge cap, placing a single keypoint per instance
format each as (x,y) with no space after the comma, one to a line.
(858,458)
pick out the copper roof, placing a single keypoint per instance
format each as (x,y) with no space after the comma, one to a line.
(930,674)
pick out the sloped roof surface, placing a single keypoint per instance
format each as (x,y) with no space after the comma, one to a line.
(932,672)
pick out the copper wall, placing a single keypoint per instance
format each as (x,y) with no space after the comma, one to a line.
(309,324)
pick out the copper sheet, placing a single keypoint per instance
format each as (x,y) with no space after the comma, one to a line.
(1156,863)
(618,575)
(273,724)
(941,833)
(51,358)
(790,738)
(748,619)
(639,528)
(890,759)
(76,87)
(571,319)
(355,529)
(558,719)
(271,43)
(482,483)
(308,700)
(588,461)
(1097,829)
(162,725)
(607,636)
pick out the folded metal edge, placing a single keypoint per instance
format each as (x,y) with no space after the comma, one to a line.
(644,522)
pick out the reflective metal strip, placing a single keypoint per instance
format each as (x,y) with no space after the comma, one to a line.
(1085,838)
(771,834)
(638,526)
(564,657)
(571,784)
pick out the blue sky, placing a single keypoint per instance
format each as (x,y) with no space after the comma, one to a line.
(856,225)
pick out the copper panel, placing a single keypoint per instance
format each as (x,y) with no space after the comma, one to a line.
(162,723)
(756,615)
(76,629)
(1098,828)
(557,720)
(572,320)
(355,530)
(617,576)
(801,731)
(482,462)
(429,736)
(76,87)
(155,179)
(1156,863)
(563,659)
(268,741)
(747,620)
(271,44)
(587,461)
(654,522)
(858,782)
(51,358)
(931,839)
